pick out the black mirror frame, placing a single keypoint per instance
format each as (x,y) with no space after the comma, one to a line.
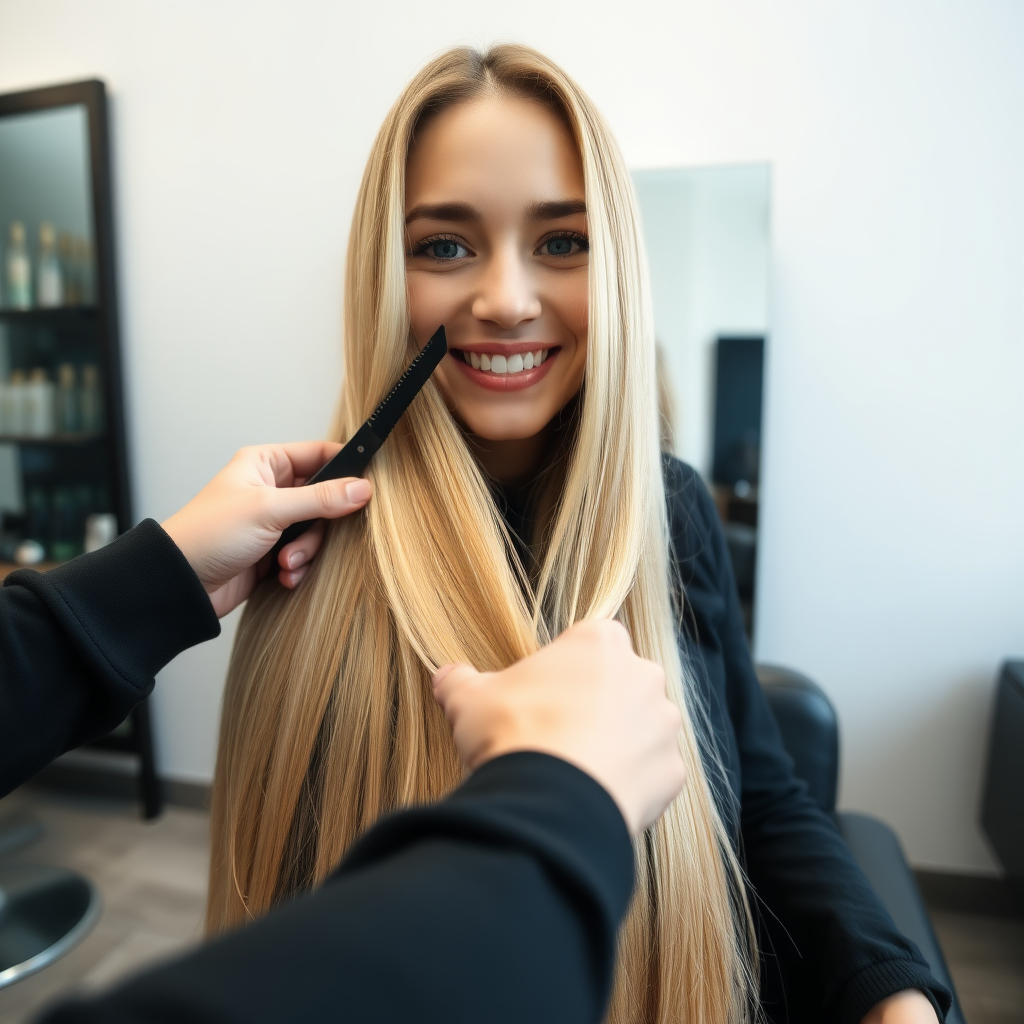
(92,94)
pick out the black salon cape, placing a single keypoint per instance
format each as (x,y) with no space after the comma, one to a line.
(500,903)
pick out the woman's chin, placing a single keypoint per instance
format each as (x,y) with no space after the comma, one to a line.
(504,431)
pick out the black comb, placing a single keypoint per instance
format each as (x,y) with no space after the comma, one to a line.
(353,459)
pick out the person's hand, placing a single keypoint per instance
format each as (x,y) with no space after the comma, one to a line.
(586,698)
(907,1007)
(231,525)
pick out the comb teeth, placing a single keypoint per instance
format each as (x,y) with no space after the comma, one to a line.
(408,370)
(437,341)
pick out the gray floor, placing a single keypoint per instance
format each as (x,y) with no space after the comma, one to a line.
(986,959)
(153,879)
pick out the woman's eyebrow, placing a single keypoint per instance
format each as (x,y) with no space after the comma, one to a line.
(557,208)
(463,212)
(443,211)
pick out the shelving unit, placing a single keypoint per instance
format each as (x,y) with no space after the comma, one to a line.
(55,184)
(63,476)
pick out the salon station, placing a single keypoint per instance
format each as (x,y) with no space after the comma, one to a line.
(702,318)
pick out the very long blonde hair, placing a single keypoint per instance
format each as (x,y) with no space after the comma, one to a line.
(328,718)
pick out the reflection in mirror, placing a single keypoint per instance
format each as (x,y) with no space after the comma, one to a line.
(55,471)
(706,231)
(45,209)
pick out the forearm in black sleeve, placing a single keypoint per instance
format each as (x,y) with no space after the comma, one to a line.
(499,904)
(80,645)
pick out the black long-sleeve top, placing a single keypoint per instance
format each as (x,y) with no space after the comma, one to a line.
(830,950)
(500,903)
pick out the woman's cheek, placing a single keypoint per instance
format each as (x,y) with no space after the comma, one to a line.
(431,303)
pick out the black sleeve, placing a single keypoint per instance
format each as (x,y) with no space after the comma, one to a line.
(80,645)
(498,904)
(810,893)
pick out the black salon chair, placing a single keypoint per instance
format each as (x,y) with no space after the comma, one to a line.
(44,911)
(810,732)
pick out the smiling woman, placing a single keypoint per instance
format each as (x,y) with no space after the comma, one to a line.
(496,202)
(525,491)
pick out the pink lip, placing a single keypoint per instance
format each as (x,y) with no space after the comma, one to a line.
(505,381)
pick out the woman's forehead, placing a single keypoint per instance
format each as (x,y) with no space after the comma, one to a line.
(494,148)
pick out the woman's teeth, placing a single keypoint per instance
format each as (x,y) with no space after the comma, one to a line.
(501,364)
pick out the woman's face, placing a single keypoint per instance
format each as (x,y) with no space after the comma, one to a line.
(496,233)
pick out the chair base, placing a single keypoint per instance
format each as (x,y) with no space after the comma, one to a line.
(44,912)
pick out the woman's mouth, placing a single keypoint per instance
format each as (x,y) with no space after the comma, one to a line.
(512,369)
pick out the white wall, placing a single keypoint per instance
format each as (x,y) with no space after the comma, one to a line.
(892,547)
(706,232)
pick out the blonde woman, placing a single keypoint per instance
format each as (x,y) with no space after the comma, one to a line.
(523,492)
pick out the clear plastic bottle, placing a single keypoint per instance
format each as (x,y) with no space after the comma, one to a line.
(41,404)
(66,251)
(14,405)
(49,276)
(17,270)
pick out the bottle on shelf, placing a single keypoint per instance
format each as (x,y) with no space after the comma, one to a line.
(100,530)
(72,286)
(12,405)
(40,404)
(90,401)
(67,525)
(49,275)
(38,519)
(86,272)
(17,270)
(68,419)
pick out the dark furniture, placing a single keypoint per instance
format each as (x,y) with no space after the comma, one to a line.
(810,732)
(63,448)
(1002,803)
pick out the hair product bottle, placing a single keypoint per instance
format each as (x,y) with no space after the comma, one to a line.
(17,270)
(68,420)
(86,272)
(49,276)
(41,404)
(66,252)
(100,530)
(14,405)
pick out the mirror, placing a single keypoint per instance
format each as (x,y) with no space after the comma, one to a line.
(63,471)
(706,231)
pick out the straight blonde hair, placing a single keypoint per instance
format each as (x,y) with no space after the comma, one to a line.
(328,718)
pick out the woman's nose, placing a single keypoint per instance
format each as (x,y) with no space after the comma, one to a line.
(507,296)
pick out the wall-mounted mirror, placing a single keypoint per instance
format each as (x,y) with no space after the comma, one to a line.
(707,240)
(63,467)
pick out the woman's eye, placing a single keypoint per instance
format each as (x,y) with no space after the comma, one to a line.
(441,249)
(564,245)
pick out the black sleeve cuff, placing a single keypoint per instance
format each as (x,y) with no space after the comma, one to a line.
(129,608)
(881,980)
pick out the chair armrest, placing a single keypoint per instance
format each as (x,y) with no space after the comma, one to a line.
(878,852)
